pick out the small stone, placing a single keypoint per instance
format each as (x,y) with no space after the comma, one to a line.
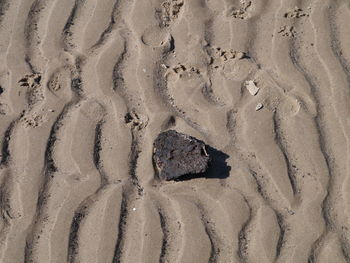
(176,154)
(259,106)
(240,55)
(251,87)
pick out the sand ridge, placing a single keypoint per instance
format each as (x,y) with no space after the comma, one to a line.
(86,87)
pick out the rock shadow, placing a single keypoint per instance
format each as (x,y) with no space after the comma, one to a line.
(218,168)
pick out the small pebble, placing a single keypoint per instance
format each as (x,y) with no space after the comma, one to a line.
(240,55)
(251,87)
(259,106)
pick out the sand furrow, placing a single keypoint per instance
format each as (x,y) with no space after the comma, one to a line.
(324,113)
(5,145)
(310,193)
(193,77)
(120,242)
(17,183)
(58,179)
(258,135)
(261,189)
(338,177)
(35,33)
(106,143)
(259,217)
(264,192)
(328,160)
(281,144)
(194,251)
(8,10)
(136,120)
(12,210)
(207,90)
(77,248)
(163,252)
(89,213)
(221,249)
(266,127)
(98,162)
(73,245)
(299,112)
(75,26)
(130,234)
(214,250)
(69,108)
(171,224)
(322,138)
(50,197)
(114,22)
(161,86)
(243,241)
(264,234)
(336,45)
(213,212)
(245,133)
(265,188)
(4,7)
(152,235)
(89,210)
(25,134)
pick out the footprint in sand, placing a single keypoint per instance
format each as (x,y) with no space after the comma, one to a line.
(296,12)
(155,37)
(241,12)
(30,80)
(34,89)
(287,31)
(169,12)
(34,120)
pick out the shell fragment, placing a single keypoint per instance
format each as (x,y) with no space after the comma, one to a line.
(259,106)
(251,87)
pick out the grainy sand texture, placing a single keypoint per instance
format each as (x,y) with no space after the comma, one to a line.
(87,85)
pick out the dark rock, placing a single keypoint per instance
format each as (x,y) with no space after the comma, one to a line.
(176,154)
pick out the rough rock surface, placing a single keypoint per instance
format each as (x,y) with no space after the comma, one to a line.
(176,154)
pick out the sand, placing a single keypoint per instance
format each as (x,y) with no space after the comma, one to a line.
(86,86)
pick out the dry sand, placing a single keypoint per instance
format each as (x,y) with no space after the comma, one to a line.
(87,85)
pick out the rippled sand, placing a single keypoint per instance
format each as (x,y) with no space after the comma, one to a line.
(86,86)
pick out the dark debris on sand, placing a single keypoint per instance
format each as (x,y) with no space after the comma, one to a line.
(176,154)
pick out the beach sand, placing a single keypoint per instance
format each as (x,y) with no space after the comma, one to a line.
(86,86)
